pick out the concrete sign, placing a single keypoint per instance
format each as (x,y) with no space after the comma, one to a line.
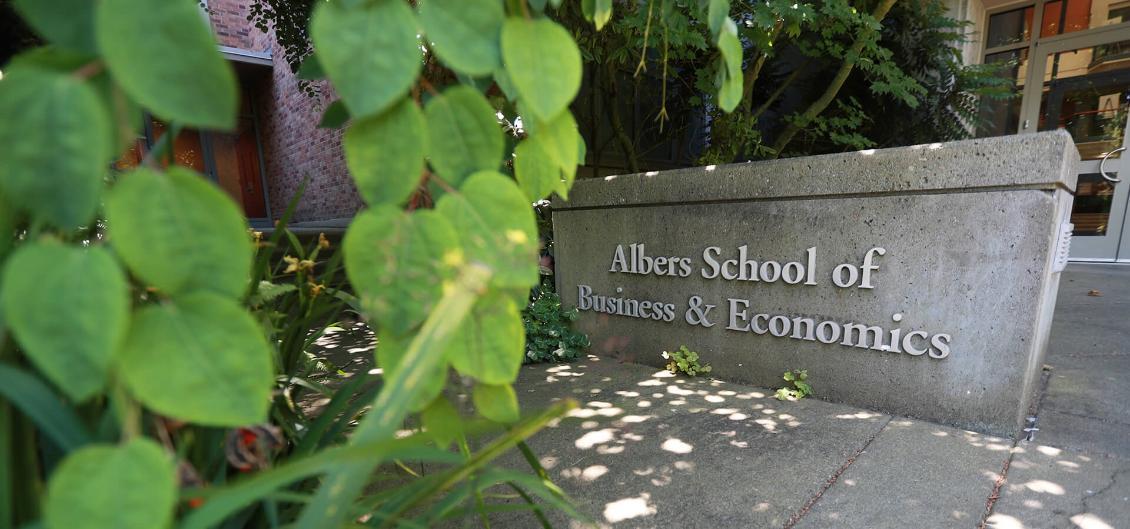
(917,281)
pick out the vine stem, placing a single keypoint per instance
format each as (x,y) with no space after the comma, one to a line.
(643,53)
(441,183)
(89,69)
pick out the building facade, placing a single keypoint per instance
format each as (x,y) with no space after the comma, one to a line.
(1069,63)
(1068,60)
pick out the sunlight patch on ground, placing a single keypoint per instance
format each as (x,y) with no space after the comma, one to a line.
(1046,487)
(629,508)
(1004,521)
(676,446)
(1089,521)
(597,437)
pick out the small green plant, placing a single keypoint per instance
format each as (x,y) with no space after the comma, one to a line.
(801,388)
(684,360)
(550,336)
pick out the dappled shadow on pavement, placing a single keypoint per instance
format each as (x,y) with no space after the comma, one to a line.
(651,449)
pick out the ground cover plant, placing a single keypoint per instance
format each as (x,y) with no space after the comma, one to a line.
(550,336)
(152,348)
(685,361)
(798,379)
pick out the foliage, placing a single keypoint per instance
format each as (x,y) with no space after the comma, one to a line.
(800,386)
(684,361)
(550,336)
(153,353)
(926,44)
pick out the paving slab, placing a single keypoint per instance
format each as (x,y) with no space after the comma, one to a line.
(1053,488)
(914,474)
(654,450)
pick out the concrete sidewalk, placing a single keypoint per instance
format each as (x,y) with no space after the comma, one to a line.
(648,449)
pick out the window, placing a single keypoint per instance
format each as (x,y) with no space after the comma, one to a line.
(231,159)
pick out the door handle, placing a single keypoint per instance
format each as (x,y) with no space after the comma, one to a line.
(1102,166)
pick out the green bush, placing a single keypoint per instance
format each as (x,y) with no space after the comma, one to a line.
(549,332)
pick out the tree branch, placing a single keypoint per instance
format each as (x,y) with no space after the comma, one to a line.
(818,106)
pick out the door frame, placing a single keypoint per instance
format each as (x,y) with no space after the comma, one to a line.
(1115,245)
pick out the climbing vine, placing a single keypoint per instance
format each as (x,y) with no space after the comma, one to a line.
(133,309)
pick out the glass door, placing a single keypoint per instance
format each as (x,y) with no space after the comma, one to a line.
(1084,88)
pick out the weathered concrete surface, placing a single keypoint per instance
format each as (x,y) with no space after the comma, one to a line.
(1076,473)
(1087,401)
(1049,487)
(647,449)
(968,228)
(915,474)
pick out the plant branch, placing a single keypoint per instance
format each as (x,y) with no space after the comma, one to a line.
(818,106)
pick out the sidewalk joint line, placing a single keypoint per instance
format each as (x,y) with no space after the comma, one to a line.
(797,516)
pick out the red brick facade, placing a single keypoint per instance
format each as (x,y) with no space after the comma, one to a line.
(293,146)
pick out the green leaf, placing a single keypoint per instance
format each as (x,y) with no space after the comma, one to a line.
(602,13)
(164,56)
(385,153)
(179,232)
(497,227)
(391,350)
(543,62)
(334,116)
(67,23)
(129,486)
(563,143)
(588,9)
(490,343)
(398,262)
(370,52)
(464,33)
(502,79)
(465,135)
(201,358)
(311,69)
(7,235)
(730,91)
(47,410)
(716,15)
(497,403)
(537,173)
(54,148)
(68,307)
(442,422)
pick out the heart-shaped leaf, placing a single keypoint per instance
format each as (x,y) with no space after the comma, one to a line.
(497,227)
(128,486)
(370,52)
(543,62)
(497,403)
(490,343)
(398,262)
(537,173)
(465,135)
(464,33)
(68,307)
(201,358)
(179,232)
(54,148)
(164,56)
(385,153)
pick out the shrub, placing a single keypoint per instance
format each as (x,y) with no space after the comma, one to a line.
(549,332)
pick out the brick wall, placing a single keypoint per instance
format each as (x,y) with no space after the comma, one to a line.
(293,145)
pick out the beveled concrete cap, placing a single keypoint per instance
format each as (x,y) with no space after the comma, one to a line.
(1043,161)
